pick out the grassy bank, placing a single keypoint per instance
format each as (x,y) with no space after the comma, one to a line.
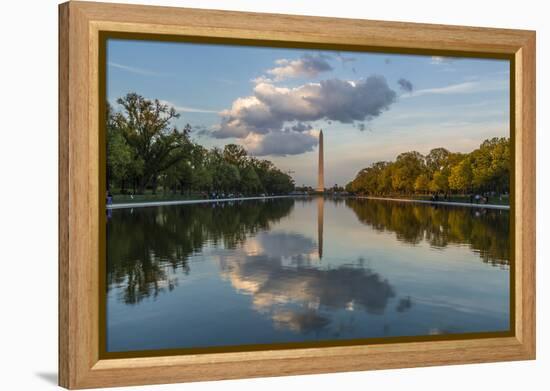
(150,197)
(492,200)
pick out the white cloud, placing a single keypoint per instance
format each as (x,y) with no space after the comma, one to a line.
(261,79)
(440,60)
(281,143)
(463,88)
(187,109)
(450,89)
(277,120)
(138,71)
(338,100)
(306,66)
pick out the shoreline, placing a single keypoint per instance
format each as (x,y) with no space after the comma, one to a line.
(446,203)
(129,205)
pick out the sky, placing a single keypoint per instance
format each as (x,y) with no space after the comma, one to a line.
(274,101)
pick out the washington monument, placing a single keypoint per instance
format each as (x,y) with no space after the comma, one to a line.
(321,175)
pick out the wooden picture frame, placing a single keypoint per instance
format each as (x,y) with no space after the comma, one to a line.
(80,204)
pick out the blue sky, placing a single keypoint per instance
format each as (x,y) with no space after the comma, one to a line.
(273,101)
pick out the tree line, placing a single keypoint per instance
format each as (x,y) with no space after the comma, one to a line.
(146,152)
(486,169)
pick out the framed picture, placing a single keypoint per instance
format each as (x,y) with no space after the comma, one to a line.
(247,195)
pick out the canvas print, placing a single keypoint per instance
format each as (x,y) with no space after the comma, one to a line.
(279,197)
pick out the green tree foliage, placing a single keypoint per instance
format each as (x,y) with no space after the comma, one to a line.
(436,160)
(407,167)
(145,126)
(439,182)
(440,171)
(144,151)
(235,154)
(250,181)
(226,177)
(461,176)
(422,183)
(491,165)
(121,160)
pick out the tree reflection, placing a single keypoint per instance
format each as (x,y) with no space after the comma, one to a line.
(146,248)
(404,304)
(280,270)
(486,231)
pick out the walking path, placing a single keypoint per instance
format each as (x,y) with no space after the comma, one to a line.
(466,204)
(185,202)
(199,201)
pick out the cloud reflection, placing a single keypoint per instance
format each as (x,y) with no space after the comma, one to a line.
(300,321)
(285,281)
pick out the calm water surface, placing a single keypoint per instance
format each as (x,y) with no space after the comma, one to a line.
(294,270)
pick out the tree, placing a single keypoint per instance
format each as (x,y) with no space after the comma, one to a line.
(366,180)
(146,127)
(436,159)
(235,154)
(491,165)
(120,159)
(146,150)
(461,176)
(226,177)
(439,182)
(202,173)
(349,187)
(185,175)
(486,168)
(422,183)
(407,167)
(250,181)
(385,180)
(202,180)
(277,182)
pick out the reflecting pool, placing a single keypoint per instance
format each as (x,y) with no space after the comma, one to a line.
(302,269)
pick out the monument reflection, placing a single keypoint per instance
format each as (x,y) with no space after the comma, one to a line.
(179,275)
